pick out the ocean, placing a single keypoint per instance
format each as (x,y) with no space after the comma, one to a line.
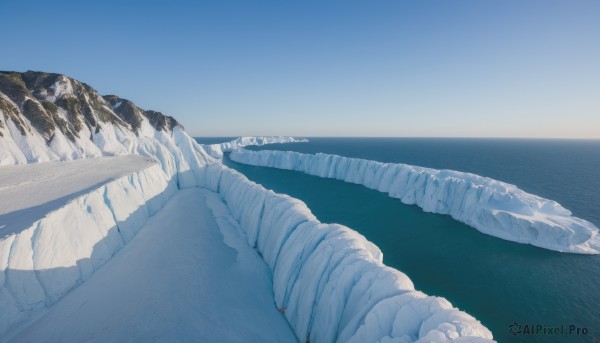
(499,282)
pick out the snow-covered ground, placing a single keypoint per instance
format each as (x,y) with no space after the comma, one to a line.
(491,206)
(179,280)
(29,192)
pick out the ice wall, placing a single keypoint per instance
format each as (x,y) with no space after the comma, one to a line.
(39,265)
(329,280)
(492,207)
(217,150)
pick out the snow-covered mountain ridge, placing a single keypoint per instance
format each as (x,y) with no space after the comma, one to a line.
(53,117)
(330,281)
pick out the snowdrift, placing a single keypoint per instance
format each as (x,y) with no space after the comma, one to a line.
(492,207)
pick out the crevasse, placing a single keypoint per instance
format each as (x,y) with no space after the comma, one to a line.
(492,207)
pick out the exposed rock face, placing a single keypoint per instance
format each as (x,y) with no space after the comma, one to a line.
(11,112)
(134,115)
(54,102)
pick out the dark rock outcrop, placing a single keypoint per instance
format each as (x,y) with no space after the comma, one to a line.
(53,102)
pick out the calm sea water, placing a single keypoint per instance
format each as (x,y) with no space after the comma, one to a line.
(497,281)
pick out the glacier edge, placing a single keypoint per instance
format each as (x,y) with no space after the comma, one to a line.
(492,207)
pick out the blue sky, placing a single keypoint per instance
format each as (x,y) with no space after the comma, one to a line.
(328,68)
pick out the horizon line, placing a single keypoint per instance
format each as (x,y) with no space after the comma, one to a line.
(416,137)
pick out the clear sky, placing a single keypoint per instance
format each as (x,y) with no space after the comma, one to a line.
(524,68)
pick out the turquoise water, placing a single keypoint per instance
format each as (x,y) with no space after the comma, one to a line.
(499,282)
(567,171)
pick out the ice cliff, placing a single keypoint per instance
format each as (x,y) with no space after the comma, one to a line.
(492,207)
(328,280)
(217,150)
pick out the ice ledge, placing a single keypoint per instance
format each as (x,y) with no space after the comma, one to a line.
(42,263)
(492,207)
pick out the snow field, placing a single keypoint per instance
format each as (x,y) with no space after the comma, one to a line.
(187,276)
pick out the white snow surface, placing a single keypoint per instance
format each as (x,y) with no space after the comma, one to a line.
(492,207)
(29,192)
(217,150)
(185,286)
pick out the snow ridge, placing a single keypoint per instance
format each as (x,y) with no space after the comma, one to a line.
(49,117)
(492,207)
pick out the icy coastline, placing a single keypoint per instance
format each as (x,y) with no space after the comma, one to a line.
(328,280)
(492,207)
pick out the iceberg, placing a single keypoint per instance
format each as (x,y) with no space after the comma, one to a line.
(493,207)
